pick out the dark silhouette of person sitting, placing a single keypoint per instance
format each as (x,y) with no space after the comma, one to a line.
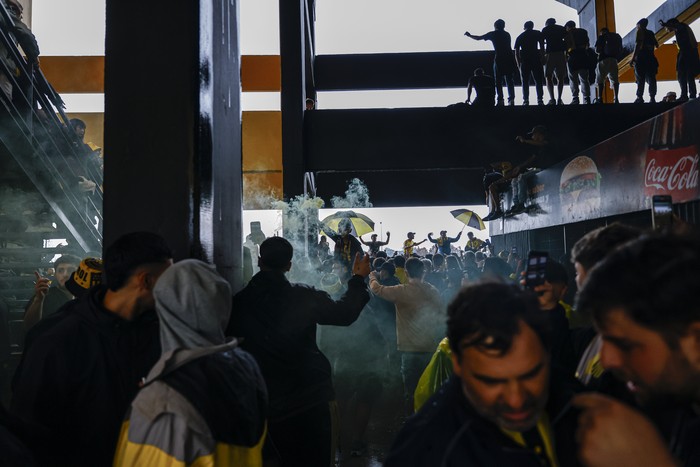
(485,89)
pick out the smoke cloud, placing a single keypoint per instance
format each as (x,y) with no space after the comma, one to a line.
(356,196)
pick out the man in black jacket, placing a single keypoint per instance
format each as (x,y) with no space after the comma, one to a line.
(501,407)
(85,364)
(643,298)
(276,322)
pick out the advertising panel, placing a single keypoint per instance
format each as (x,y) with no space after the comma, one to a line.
(617,176)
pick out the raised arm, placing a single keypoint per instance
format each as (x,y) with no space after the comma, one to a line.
(430,237)
(472,36)
(345,311)
(390,293)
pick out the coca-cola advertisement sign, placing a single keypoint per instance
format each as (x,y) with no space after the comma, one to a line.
(672,172)
(657,157)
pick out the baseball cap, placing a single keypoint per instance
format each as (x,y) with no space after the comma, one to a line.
(88,274)
(411,233)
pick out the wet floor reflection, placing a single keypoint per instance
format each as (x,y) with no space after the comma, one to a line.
(387,418)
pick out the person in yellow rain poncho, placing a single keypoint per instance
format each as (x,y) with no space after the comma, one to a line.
(436,373)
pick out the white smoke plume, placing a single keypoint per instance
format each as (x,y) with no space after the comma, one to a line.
(356,196)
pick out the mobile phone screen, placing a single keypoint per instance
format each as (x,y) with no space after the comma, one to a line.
(536,266)
(661,211)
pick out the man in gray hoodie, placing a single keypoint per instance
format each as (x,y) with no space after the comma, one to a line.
(205,399)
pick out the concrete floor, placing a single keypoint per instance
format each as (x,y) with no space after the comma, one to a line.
(386,419)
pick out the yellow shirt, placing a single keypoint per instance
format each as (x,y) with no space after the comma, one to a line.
(408,247)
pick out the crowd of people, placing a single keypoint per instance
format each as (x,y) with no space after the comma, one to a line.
(558,52)
(146,362)
(135,360)
(24,90)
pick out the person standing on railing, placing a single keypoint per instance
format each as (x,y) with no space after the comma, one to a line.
(30,47)
(504,62)
(93,154)
(688,60)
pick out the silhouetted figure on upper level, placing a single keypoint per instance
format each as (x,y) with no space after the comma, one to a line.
(688,61)
(577,43)
(504,63)
(27,41)
(484,87)
(644,62)
(609,49)
(555,58)
(529,47)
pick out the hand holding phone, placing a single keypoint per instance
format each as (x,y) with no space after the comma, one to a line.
(536,266)
(661,212)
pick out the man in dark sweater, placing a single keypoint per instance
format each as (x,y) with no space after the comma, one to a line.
(276,322)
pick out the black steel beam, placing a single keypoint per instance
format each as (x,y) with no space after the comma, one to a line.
(293,95)
(172,127)
(420,70)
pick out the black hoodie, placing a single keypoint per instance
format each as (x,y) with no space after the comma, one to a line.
(78,378)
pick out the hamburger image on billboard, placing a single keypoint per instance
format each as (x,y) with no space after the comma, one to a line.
(579,188)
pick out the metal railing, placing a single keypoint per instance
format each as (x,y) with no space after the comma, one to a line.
(38,135)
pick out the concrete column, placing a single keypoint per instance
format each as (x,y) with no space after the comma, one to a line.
(173,127)
(293,67)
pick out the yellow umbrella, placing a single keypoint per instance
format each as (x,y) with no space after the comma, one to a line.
(359,223)
(468,218)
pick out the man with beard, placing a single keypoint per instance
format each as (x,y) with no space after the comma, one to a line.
(643,298)
(503,406)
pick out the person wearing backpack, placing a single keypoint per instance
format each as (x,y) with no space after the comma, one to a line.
(644,61)
(688,60)
(609,49)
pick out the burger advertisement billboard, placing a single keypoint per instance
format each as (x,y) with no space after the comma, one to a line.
(617,176)
(579,189)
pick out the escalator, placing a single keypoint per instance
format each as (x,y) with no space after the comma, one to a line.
(50,188)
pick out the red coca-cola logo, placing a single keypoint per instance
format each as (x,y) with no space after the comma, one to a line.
(673,171)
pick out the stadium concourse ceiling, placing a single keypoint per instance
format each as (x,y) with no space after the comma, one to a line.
(439,154)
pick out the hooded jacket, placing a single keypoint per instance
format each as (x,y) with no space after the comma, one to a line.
(204,402)
(78,378)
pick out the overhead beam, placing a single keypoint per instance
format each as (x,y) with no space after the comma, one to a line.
(420,70)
